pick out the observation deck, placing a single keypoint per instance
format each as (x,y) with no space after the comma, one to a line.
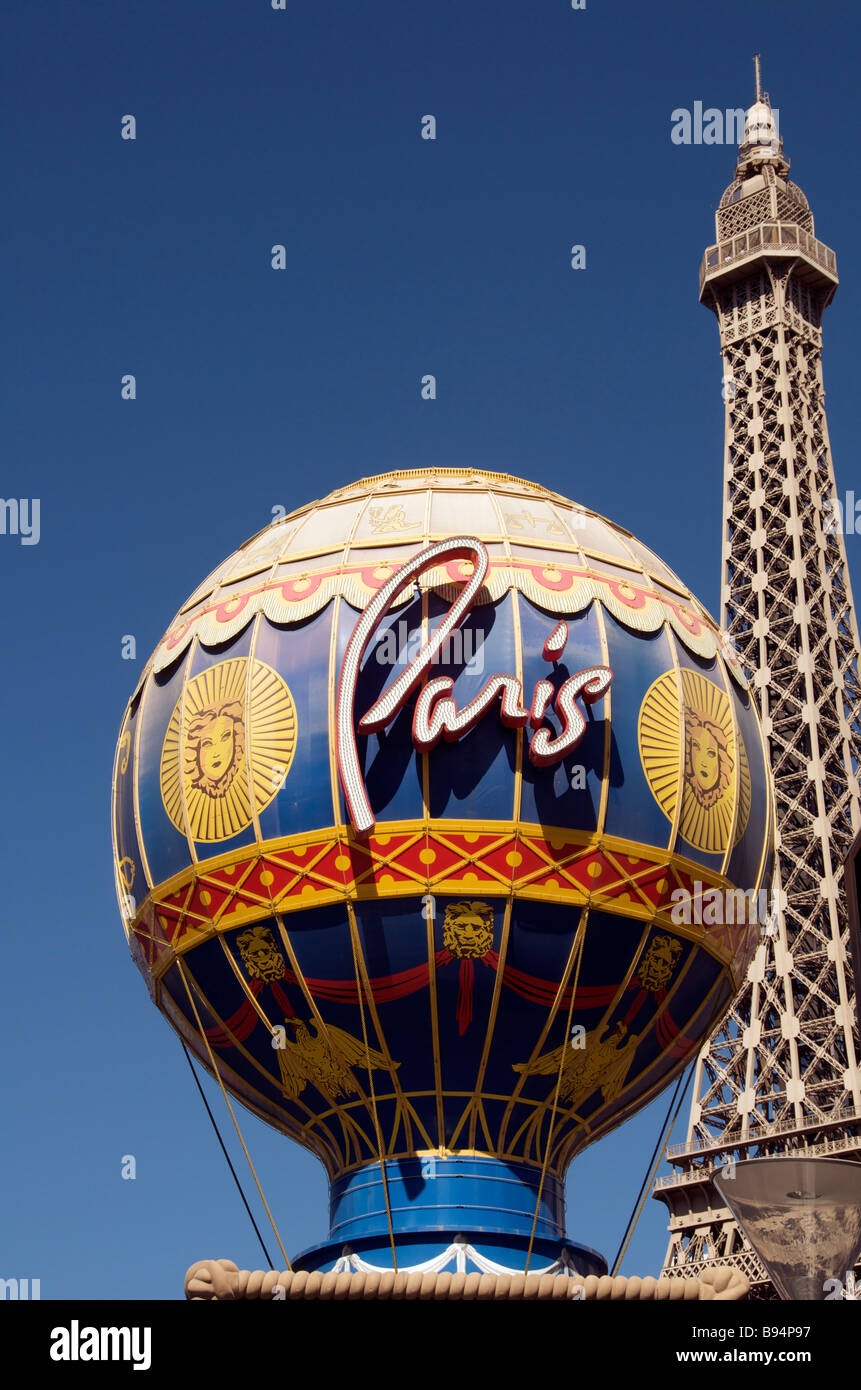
(732,259)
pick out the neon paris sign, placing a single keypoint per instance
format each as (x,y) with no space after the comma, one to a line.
(436,714)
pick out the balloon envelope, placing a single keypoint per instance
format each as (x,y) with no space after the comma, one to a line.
(410,989)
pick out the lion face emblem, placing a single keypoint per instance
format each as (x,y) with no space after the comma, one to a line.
(260,955)
(467,930)
(659,962)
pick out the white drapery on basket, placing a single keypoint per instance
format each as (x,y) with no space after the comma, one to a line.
(463,1257)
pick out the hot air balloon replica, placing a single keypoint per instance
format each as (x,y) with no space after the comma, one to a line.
(419,808)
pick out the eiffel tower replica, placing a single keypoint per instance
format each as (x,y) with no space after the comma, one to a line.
(780,1075)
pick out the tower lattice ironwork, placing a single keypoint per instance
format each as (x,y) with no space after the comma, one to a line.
(780,1074)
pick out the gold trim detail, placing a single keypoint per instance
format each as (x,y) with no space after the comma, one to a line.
(567,867)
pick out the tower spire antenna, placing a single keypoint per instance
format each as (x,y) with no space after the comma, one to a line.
(782,1074)
(761,143)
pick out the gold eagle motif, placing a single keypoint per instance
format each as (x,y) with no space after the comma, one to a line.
(310,1059)
(599,1063)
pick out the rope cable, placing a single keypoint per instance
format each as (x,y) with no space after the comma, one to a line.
(651,1167)
(217,1075)
(379,1133)
(226,1154)
(581,932)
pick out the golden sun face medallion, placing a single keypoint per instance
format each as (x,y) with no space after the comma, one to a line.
(692,752)
(228,748)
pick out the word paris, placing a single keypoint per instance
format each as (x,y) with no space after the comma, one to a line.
(436,714)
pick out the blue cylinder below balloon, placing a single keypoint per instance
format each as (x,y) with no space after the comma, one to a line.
(435,1201)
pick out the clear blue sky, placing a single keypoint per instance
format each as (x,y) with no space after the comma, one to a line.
(257,389)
